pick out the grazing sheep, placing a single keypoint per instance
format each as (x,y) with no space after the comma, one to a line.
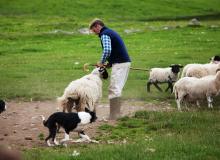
(196,70)
(83,92)
(193,89)
(163,75)
(215,59)
(202,70)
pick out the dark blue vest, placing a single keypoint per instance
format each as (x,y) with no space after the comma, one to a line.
(119,52)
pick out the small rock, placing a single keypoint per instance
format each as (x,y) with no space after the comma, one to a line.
(75,153)
(1,139)
(194,23)
(84,31)
(110,142)
(28,138)
(34,129)
(6,134)
(151,149)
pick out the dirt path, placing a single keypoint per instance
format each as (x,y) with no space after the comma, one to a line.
(21,124)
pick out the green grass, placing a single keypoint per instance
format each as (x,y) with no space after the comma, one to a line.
(111,10)
(40,44)
(40,65)
(149,135)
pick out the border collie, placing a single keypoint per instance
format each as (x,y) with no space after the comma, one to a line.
(3,106)
(69,121)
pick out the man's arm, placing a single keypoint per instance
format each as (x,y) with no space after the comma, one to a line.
(107,48)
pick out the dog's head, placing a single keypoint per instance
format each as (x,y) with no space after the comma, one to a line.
(93,115)
(2,106)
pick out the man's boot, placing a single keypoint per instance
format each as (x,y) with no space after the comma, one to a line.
(115,107)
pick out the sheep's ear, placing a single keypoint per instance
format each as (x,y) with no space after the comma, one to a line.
(181,66)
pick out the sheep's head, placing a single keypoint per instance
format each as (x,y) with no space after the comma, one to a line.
(176,68)
(215,59)
(101,71)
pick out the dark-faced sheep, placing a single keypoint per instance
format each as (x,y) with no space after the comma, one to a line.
(164,75)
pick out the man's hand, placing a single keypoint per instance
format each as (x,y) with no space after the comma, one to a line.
(98,64)
(106,65)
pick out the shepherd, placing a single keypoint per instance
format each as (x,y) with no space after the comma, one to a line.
(115,54)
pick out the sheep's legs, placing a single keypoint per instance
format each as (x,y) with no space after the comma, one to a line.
(198,104)
(148,86)
(170,85)
(178,104)
(155,84)
(210,100)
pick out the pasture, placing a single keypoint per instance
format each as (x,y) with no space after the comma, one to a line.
(42,49)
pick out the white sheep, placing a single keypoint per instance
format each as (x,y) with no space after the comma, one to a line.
(201,70)
(83,92)
(163,75)
(192,89)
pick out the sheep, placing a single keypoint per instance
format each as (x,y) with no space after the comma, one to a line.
(163,75)
(193,89)
(202,70)
(196,70)
(215,59)
(83,92)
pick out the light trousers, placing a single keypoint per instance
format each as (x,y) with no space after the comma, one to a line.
(118,79)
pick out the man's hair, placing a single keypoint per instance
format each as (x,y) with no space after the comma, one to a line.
(96,22)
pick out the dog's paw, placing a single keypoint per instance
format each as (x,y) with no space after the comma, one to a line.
(80,140)
(94,141)
(49,144)
(56,143)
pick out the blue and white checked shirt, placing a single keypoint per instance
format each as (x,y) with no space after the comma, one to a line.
(107,48)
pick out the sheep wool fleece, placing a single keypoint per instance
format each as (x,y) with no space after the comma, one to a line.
(119,77)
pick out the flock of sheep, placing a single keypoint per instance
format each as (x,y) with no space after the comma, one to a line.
(197,82)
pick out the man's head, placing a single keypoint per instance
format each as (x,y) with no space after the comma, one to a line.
(96,25)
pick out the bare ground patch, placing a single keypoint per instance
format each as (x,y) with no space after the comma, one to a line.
(21,124)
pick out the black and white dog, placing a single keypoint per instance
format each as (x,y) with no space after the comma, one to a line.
(69,121)
(3,106)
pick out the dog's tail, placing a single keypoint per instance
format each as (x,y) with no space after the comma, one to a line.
(43,119)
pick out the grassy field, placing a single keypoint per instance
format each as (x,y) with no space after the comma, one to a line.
(148,135)
(42,50)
